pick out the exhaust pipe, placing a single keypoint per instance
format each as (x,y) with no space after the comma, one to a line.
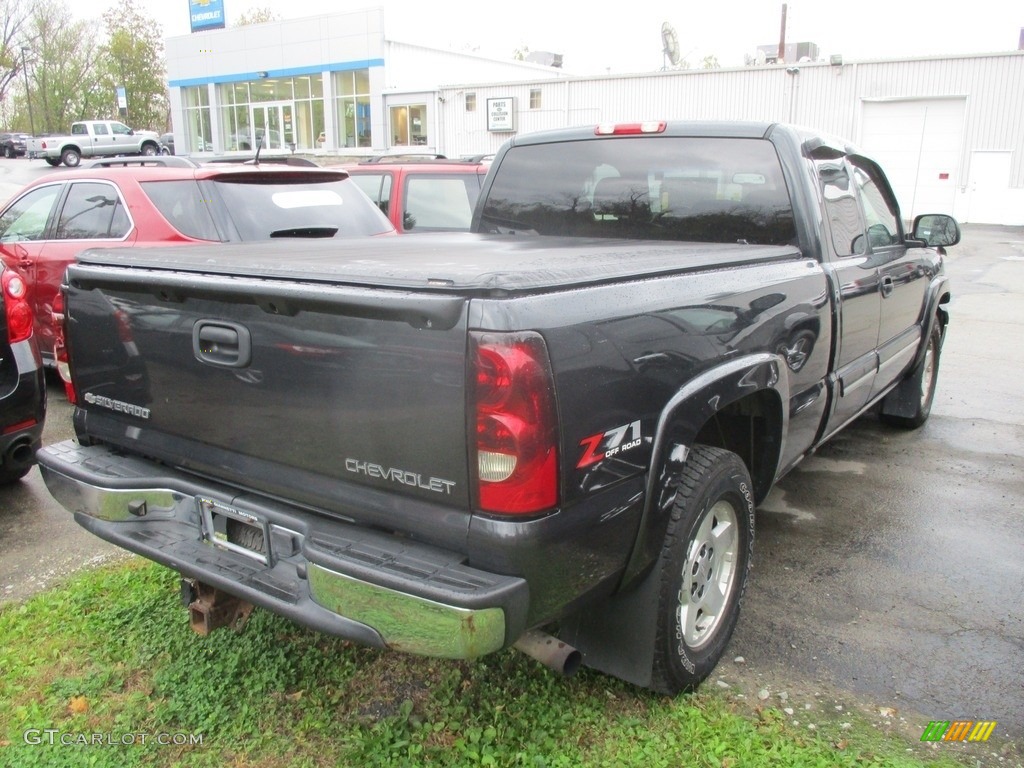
(20,454)
(550,651)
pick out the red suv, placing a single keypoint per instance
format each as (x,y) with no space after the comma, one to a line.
(166,200)
(422,195)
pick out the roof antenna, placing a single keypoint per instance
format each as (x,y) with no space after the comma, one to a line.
(259,146)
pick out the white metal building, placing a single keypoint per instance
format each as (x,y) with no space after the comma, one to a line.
(329,83)
(948,130)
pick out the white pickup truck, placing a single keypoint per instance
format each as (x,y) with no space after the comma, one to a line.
(93,138)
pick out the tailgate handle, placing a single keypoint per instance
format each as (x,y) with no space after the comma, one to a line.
(225,345)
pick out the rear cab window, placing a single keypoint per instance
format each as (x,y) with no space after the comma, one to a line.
(719,190)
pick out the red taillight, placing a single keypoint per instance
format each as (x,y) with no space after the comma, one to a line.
(630,129)
(16,306)
(60,350)
(516,432)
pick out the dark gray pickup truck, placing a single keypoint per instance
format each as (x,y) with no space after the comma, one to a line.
(551,432)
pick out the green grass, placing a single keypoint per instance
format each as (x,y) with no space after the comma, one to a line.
(111,654)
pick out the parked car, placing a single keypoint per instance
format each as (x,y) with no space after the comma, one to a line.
(161,200)
(13,144)
(166,143)
(22,385)
(422,195)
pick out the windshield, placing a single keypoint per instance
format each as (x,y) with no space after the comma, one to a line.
(266,205)
(719,190)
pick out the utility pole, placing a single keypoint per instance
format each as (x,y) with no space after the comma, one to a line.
(782,36)
(28,96)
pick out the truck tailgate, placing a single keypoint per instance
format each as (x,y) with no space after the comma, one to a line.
(273,385)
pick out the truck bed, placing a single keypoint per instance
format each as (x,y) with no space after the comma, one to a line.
(451,263)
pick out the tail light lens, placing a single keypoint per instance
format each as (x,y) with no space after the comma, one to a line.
(60,350)
(516,441)
(16,306)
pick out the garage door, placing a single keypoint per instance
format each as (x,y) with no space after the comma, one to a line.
(918,143)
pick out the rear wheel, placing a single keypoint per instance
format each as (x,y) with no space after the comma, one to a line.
(8,152)
(704,565)
(54,161)
(71,158)
(918,388)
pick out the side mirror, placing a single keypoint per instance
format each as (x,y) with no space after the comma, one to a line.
(936,230)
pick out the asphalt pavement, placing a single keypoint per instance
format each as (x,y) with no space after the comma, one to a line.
(889,565)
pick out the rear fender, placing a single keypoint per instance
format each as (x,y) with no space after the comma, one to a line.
(617,636)
(681,421)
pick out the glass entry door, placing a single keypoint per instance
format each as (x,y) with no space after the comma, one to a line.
(274,121)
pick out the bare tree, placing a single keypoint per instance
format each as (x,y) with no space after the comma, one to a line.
(62,73)
(14,15)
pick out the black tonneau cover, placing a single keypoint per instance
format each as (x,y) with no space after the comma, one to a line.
(457,262)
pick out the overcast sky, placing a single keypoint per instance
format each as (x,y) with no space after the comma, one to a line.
(606,36)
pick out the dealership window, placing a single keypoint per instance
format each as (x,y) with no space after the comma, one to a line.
(285,111)
(352,108)
(471,102)
(196,100)
(535,98)
(409,125)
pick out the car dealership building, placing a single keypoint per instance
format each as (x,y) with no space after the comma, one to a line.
(948,130)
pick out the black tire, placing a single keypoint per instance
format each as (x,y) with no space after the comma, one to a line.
(708,544)
(54,161)
(149,150)
(71,158)
(918,389)
(8,152)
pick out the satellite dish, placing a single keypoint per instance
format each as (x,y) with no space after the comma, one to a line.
(670,43)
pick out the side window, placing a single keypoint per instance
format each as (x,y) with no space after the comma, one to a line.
(26,218)
(436,202)
(120,129)
(78,129)
(92,211)
(99,129)
(184,206)
(879,212)
(376,186)
(841,207)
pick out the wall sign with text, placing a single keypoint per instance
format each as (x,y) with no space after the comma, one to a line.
(501,114)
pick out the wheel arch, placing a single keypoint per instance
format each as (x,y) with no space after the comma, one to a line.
(739,405)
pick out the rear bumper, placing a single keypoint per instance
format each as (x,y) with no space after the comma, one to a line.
(332,576)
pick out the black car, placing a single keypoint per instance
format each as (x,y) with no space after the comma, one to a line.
(22,384)
(166,143)
(13,144)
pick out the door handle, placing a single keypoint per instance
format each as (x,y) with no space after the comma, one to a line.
(224,345)
(887,286)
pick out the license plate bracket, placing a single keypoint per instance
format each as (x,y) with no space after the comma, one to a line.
(234,530)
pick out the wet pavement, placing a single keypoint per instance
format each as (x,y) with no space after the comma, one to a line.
(891,563)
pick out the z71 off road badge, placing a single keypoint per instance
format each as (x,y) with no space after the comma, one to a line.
(605,445)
